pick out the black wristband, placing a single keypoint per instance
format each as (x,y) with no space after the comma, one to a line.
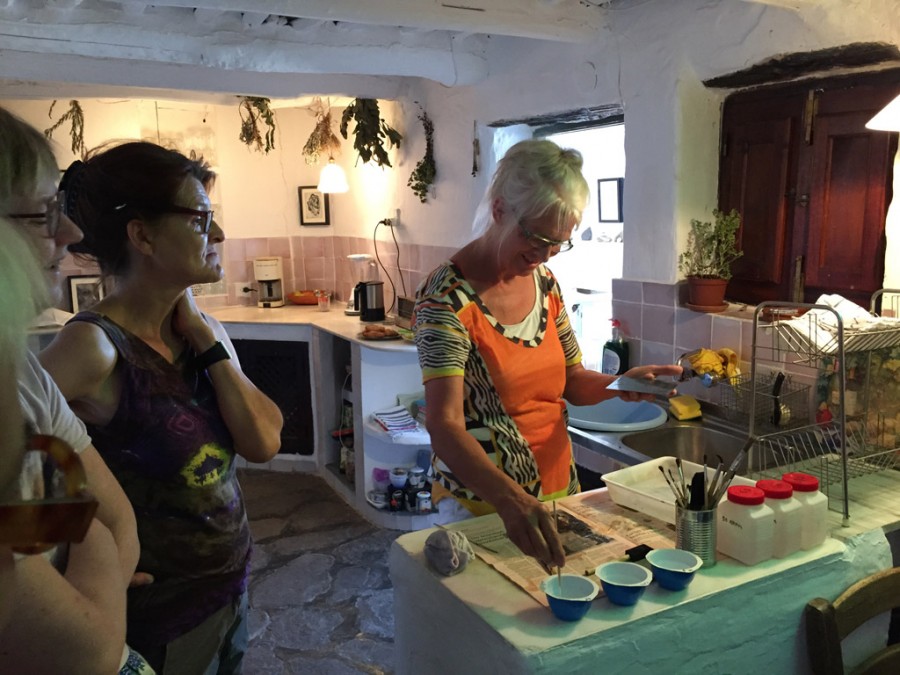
(214,354)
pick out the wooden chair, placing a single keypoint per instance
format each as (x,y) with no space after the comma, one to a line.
(827,623)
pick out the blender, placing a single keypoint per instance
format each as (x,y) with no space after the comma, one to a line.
(359,272)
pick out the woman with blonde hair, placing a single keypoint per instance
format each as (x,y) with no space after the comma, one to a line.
(70,601)
(499,357)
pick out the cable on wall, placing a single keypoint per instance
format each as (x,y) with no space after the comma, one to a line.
(389,224)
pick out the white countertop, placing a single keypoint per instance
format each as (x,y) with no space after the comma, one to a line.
(333,321)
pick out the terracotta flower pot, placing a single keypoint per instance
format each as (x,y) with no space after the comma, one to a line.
(707,295)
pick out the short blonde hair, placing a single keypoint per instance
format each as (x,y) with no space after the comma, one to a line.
(536,177)
(26,158)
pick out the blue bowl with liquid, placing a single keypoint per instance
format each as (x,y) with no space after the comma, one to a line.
(673,569)
(572,600)
(624,582)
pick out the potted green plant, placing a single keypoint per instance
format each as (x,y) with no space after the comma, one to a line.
(706,260)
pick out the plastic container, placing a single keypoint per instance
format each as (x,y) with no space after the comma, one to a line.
(814,508)
(788,516)
(746,525)
(615,352)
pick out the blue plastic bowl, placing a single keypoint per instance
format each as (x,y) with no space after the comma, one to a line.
(575,599)
(624,582)
(673,568)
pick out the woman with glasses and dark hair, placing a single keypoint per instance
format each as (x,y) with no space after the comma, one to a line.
(70,600)
(163,395)
(498,355)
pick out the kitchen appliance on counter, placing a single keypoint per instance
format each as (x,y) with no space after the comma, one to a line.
(369,297)
(268,272)
(361,269)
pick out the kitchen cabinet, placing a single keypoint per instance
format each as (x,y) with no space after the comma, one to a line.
(340,366)
(281,371)
(812,185)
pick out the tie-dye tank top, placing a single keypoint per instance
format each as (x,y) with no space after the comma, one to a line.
(173,455)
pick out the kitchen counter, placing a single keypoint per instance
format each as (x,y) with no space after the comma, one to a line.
(731,619)
(295,322)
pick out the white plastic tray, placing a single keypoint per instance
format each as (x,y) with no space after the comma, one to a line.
(617,415)
(642,487)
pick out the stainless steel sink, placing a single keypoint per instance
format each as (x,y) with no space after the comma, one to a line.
(688,441)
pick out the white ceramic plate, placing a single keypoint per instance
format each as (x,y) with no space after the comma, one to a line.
(617,415)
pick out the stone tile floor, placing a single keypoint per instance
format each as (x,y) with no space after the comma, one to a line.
(320,595)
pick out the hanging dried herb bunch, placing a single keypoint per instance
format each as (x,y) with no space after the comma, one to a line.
(75,115)
(370,131)
(252,109)
(322,140)
(422,177)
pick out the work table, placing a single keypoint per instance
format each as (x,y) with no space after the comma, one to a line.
(731,619)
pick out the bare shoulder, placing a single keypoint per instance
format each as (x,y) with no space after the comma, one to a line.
(96,358)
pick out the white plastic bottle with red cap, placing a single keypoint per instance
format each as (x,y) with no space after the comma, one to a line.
(814,506)
(788,515)
(745,528)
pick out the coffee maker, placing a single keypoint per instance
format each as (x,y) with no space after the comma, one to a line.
(268,273)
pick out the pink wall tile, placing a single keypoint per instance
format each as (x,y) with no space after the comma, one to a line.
(692,329)
(629,316)
(256,247)
(659,294)
(280,246)
(726,332)
(658,324)
(313,247)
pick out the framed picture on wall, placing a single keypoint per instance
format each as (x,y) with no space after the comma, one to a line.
(609,199)
(85,291)
(314,208)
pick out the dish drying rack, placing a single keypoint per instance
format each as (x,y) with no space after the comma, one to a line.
(838,434)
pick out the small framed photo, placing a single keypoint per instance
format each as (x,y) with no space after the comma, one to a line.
(85,292)
(609,199)
(314,209)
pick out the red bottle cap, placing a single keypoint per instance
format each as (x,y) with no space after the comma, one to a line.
(746,494)
(801,482)
(775,489)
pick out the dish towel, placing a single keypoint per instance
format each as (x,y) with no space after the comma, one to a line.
(397,421)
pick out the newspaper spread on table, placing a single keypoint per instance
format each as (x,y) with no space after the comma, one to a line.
(593,531)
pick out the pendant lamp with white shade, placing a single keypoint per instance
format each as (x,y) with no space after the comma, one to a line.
(888,119)
(332,178)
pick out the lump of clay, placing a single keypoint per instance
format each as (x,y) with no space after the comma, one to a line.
(448,551)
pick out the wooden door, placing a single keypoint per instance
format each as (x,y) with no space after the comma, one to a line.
(848,167)
(758,171)
(812,185)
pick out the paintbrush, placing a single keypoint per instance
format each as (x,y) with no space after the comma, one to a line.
(671,485)
(558,569)
(684,488)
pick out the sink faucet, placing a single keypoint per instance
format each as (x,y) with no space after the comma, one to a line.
(687,371)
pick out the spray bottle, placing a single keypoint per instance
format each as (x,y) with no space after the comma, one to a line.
(615,352)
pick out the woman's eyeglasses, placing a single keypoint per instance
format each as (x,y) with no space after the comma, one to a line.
(49,219)
(539,241)
(201,223)
(53,505)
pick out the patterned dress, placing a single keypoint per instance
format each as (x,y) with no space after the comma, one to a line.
(513,384)
(170,450)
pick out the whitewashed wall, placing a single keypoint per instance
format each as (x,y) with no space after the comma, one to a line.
(651,59)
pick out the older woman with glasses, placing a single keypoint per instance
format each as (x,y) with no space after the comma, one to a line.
(498,355)
(165,400)
(163,395)
(70,601)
